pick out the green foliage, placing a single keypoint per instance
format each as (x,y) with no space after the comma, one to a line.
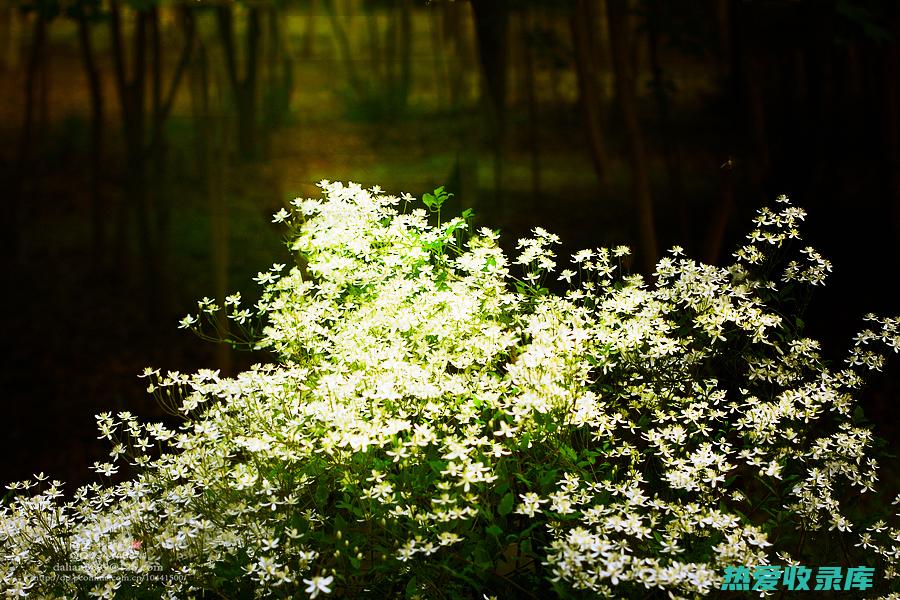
(433,427)
(435,200)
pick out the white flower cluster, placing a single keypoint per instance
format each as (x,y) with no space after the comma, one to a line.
(423,417)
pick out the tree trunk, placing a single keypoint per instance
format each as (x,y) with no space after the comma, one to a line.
(532,102)
(822,88)
(92,73)
(36,56)
(439,52)
(754,101)
(211,143)
(587,68)
(163,98)
(346,53)
(43,125)
(669,146)
(451,35)
(378,61)
(244,89)
(449,44)
(406,37)
(491,26)
(131,92)
(279,74)
(157,199)
(10,39)
(247,118)
(622,51)
(892,121)
(730,66)
(309,35)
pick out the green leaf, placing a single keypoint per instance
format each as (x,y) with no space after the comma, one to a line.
(525,546)
(549,477)
(506,504)
(412,587)
(494,530)
(435,200)
(321,494)
(482,559)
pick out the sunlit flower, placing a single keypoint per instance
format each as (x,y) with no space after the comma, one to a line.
(318,584)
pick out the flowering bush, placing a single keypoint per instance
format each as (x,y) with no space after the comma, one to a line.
(432,427)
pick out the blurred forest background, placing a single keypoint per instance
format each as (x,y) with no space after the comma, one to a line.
(146,143)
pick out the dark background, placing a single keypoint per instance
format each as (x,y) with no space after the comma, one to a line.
(146,144)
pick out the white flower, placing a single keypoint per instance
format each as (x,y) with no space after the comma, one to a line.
(318,584)
(566,275)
